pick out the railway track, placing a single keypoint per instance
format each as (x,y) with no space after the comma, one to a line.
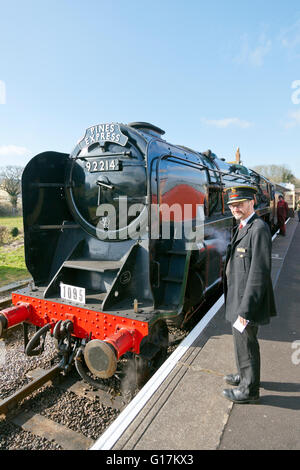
(39,407)
(54,412)
(42,409)
(45,410)
(12,401)
(5,291)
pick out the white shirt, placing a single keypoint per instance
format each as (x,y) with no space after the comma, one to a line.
(243,222)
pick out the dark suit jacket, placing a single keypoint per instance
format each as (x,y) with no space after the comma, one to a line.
(247,281)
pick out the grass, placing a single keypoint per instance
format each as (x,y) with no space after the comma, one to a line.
(12,262)
(12,266)
(10,223)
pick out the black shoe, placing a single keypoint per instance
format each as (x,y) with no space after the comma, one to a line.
(232,379)
(237,396)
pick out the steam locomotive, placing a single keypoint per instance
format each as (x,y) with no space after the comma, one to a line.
(125,234)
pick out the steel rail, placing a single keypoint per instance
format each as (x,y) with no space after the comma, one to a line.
(8,403)
(5,292)
(14,285)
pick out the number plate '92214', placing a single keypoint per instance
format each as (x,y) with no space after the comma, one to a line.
(107,164)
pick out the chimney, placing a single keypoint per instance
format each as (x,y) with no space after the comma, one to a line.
(238,156)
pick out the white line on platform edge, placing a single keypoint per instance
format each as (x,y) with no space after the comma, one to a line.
(116,429)
(276,233)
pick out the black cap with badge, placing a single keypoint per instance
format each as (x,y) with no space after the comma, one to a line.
(240,193)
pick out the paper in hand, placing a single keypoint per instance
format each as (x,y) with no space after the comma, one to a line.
(239,325)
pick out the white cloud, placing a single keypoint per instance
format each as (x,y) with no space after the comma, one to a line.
(255,54)
(294,120)
(227,122)
(13,150)
(14,155)
(290,39)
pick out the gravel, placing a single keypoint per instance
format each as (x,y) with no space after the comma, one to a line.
(14,364)
(14,438)
(84,415)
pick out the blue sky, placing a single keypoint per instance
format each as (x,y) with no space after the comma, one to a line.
(215,74)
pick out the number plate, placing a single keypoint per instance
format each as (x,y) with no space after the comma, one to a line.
(107,164)
(72,293)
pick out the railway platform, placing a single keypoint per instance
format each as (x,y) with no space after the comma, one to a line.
(187,411)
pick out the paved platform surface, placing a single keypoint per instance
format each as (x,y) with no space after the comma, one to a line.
(275,423)
(188,410)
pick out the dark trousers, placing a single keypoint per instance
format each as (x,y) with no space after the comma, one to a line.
(281,224)
(247,356)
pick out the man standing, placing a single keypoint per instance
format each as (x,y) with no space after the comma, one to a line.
(249,298)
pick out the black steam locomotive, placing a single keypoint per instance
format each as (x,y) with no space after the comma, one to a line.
(123,234)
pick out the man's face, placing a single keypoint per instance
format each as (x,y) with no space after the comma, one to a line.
(242,210)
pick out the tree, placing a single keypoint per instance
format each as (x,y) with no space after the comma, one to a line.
(11,183)
(276,173)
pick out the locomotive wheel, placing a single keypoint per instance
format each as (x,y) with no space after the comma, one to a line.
(153,352)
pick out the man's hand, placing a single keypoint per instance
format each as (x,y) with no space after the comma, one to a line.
(243,320)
